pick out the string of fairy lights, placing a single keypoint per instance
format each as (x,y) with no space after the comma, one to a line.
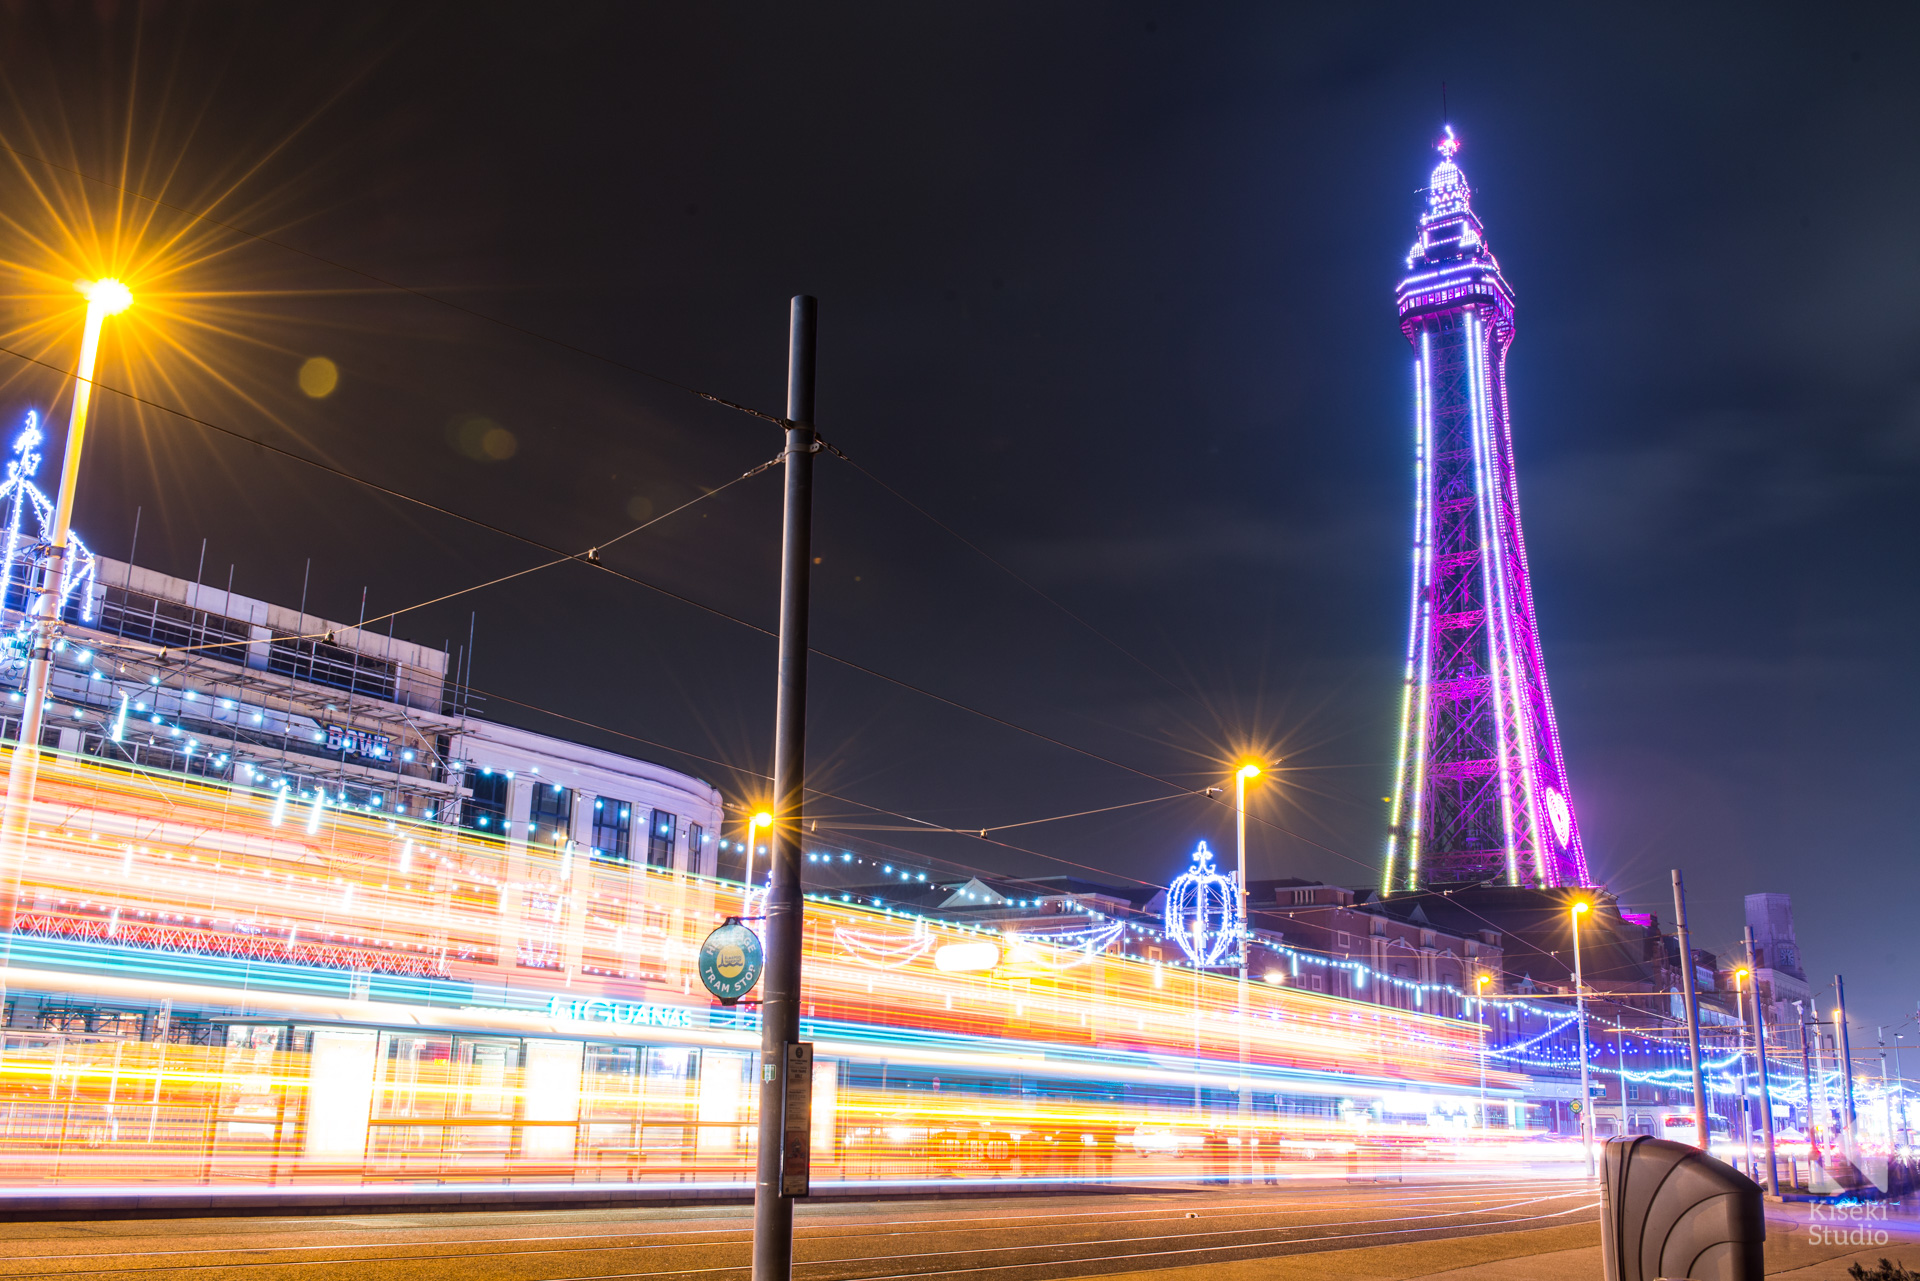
(1207,943)
(1104,930)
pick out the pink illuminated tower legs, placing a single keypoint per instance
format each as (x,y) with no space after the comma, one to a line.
(1481,788)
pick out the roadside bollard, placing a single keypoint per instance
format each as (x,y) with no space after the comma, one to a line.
(1668,1210)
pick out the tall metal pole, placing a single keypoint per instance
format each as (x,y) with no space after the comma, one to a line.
(1886,1096)
(1746,1111)
(1246,943)
(1846,1050)
(1701,1129)
(1240,841)
(1900,1084)
(780,988)
(1580,1012)
(1766,1088)
(104,298)
(1806,1065)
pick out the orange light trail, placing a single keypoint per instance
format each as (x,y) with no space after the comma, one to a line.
(486,992)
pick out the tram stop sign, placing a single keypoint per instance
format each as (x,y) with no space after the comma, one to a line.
(731,960)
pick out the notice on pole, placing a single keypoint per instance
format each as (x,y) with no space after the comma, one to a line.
(796,1147)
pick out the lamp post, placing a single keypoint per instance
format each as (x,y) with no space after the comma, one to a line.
(1760,1059)
(1740,975)
(105,298)
(1580,908)
(1480,990)
(1900,1084)
(1702,1126)
(760,822)
(1240,778)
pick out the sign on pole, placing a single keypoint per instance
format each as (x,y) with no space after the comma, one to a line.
(796,1149)
(730,961)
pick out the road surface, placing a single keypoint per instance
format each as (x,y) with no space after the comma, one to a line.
(1008,1239)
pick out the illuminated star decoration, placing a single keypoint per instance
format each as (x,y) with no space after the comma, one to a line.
(80,565)
(1202,912)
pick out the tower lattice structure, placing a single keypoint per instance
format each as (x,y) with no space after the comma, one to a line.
(1481,788)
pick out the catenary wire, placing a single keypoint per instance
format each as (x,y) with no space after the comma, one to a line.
(590,354)
(586,558)
(663,380)
(1009,572)
(848,663)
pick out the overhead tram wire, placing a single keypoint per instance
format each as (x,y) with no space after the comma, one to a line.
(603,358)
(387,490)
(619,364)
(1032,822)
(971,833)
(1008,571)
(588,557)
(637,581)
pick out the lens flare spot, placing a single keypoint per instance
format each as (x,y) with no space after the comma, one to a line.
(319,376)
(640,507)
(482,439)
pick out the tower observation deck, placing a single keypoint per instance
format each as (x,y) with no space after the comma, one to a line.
(1480,791)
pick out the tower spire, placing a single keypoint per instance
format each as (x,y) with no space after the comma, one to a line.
(1481,790)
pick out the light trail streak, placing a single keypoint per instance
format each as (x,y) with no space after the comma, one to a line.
(139,888)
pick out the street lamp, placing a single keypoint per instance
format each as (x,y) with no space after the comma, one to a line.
(1580,908)
(1240,778)
(761,820)
(106,297)
(1741,974)
(1900,1085)
(1480,990)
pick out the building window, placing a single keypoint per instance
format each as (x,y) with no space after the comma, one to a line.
(612,830)
(660,839)
(486,809)
(696,837)
(550,817)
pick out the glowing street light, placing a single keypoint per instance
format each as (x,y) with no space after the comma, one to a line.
(1740,976)
(1579,909)
(761,820)
(1240,779)
(1480,990)
(106,297)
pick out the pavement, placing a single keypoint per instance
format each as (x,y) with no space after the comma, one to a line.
(1513,1230)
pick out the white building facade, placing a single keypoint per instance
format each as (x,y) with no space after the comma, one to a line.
(169,674)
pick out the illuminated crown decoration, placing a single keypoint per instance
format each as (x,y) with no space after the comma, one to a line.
(20,555)
(1203,912)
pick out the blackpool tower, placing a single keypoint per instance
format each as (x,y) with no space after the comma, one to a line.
(1480,792)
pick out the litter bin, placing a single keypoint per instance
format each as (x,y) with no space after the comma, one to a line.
(1668,1210)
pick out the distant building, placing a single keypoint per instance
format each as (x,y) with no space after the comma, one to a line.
(1778,973)
(174,675)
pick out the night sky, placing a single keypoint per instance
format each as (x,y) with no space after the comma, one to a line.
(1108,291)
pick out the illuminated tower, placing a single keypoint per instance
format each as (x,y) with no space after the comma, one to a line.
(1481,790)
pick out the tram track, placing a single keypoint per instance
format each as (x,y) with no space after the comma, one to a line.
(1080,1242)
(804,1229)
